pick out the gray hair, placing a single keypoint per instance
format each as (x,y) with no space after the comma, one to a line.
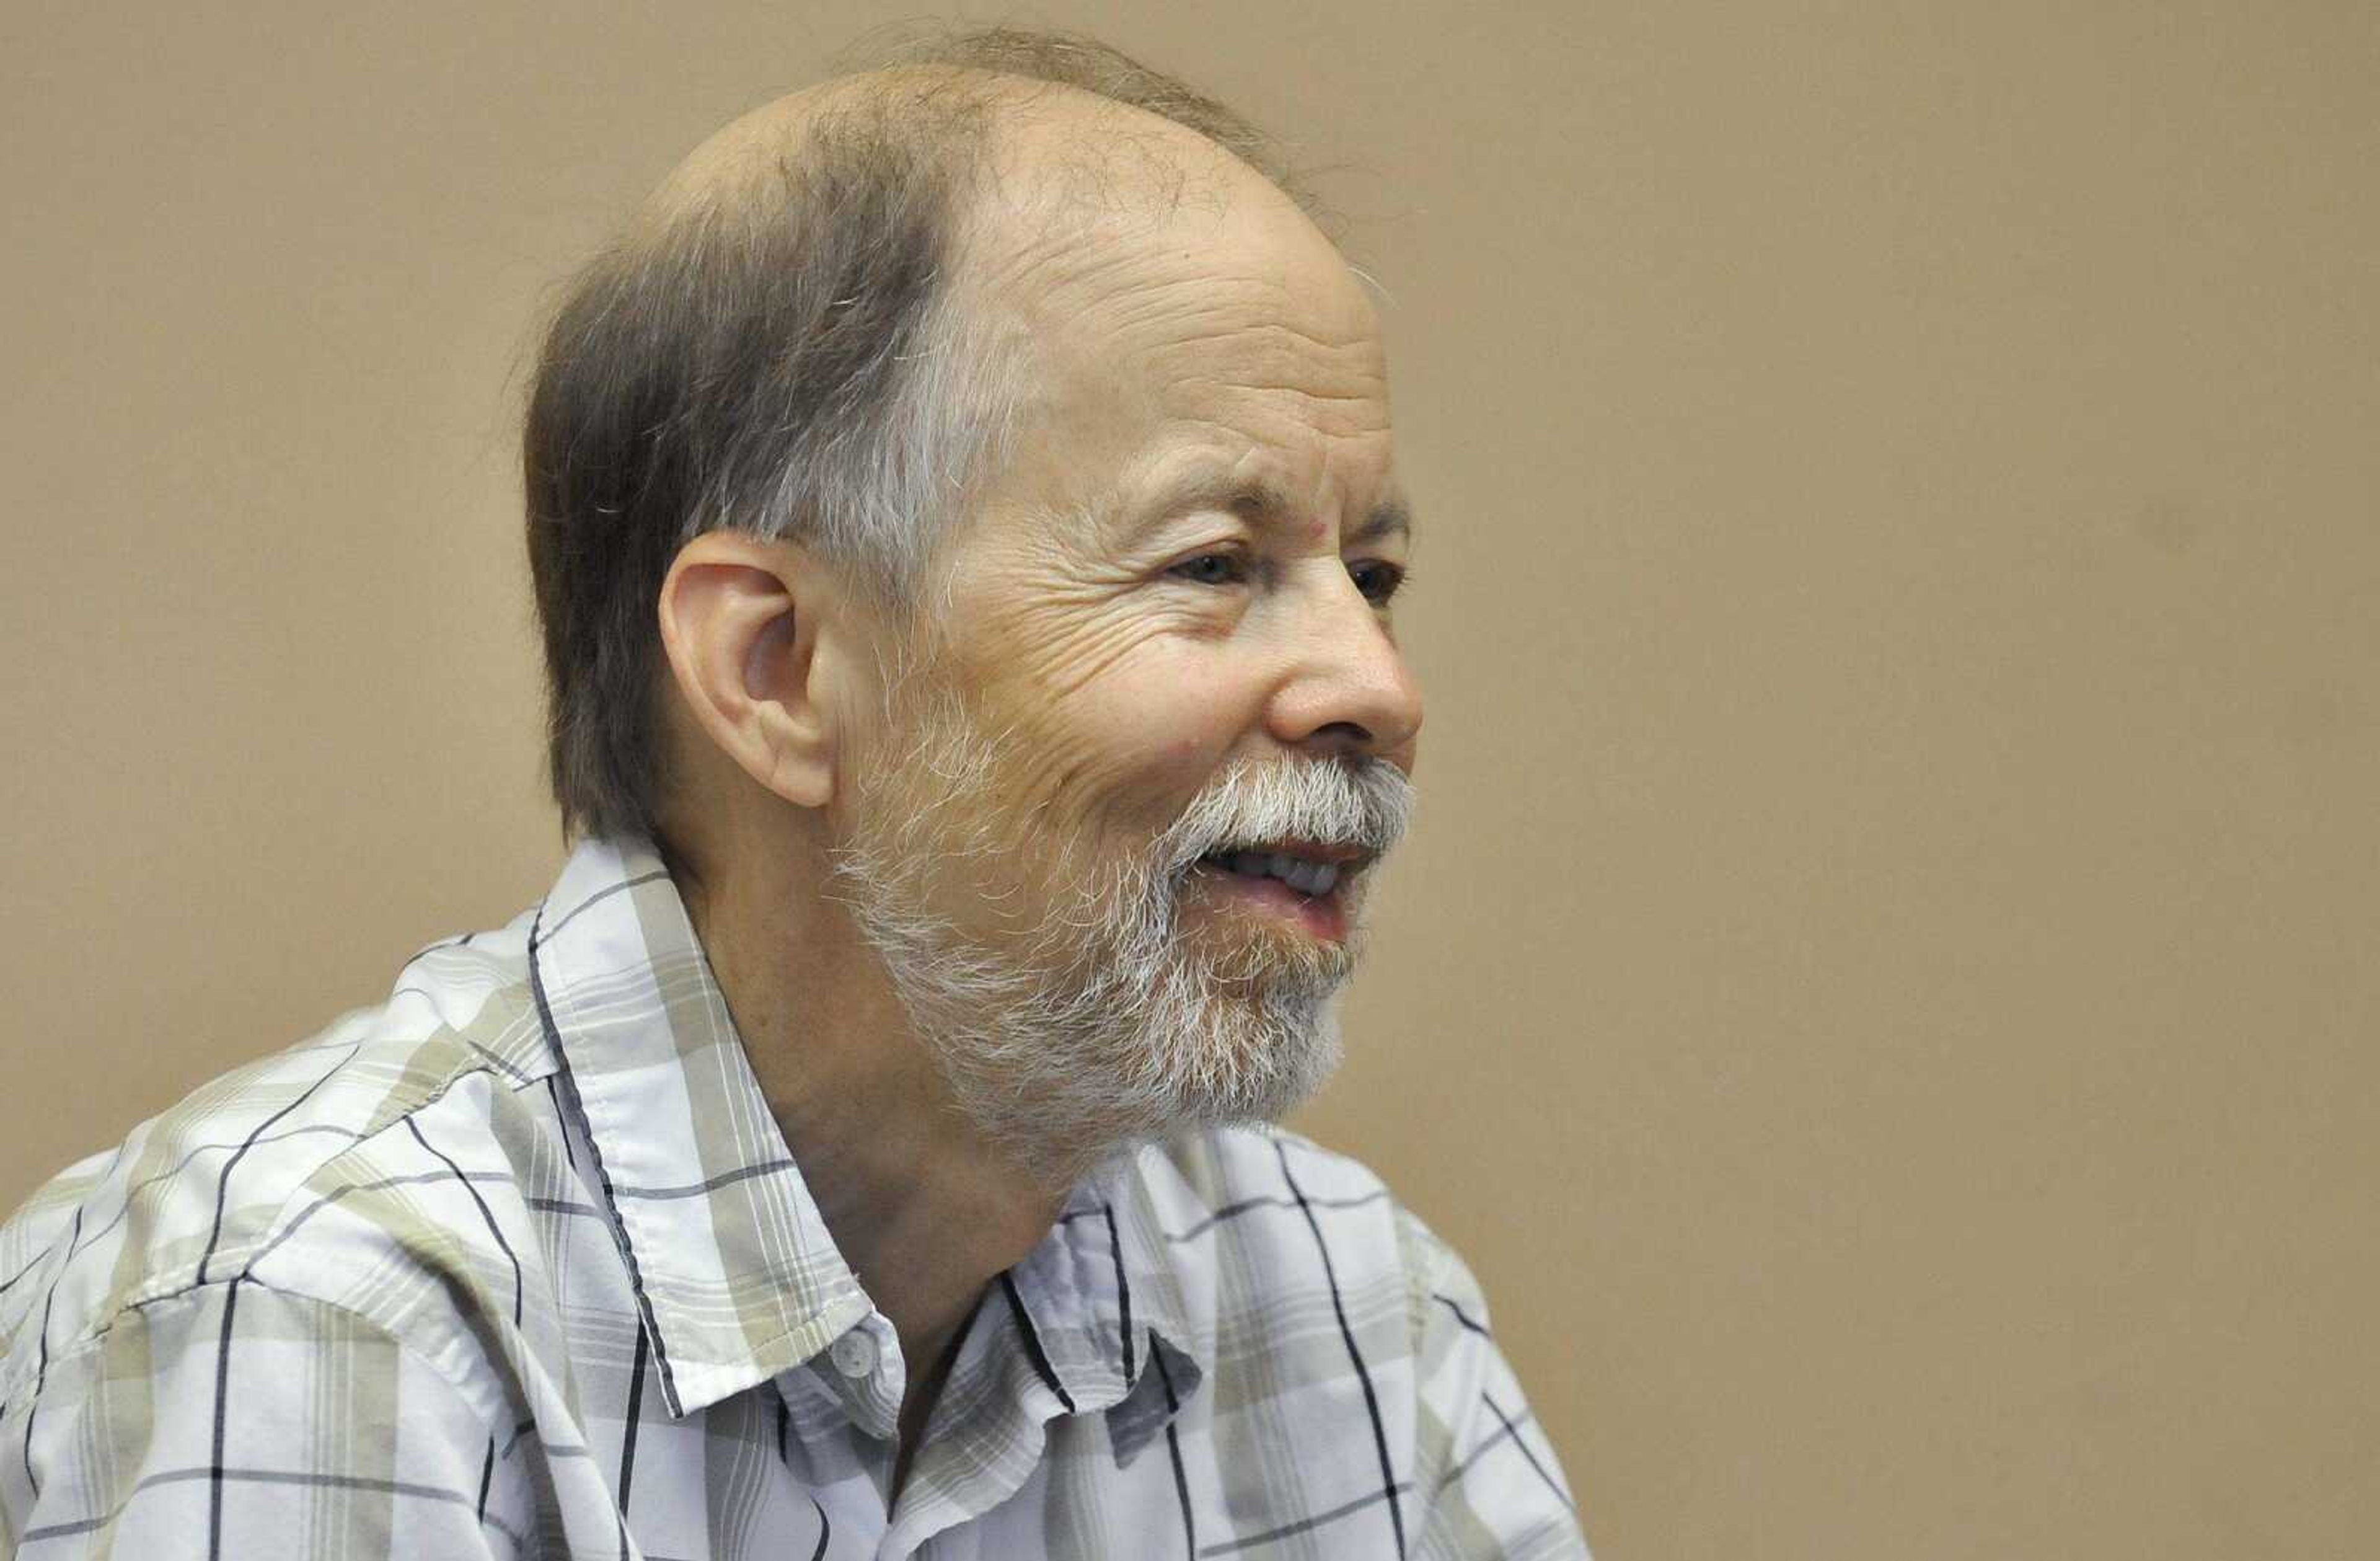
(791,363)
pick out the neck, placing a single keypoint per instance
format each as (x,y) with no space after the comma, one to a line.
(925,1210)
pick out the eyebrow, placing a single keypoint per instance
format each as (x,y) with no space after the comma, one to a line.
(1259,501)
(1390,518)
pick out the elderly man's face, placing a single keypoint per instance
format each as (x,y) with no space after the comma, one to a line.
(1176,599)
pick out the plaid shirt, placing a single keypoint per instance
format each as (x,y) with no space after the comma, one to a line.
(518,1263)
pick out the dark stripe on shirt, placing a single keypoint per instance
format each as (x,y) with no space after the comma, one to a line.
(1362,1375)
(696,1189)
(1033,1350)
(42,1360)
(381,1185)
(271,1477)
(1305,1524)
(1448,1302)
(223,1183)
(523,1429)
(10,1283)
(1124,1291)
(223,1411)
(561,1119)
(487,1214)
(1173,1450)
(1514,1430)
(537,939)
(103,1232)
(629,1432)
(514,1074)
(487,1473)
(826,1529)
(1233,1210)
(438,947)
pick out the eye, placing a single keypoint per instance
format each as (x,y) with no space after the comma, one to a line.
(1211,569)
(1378,579)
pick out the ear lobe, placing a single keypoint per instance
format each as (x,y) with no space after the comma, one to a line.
(740,622)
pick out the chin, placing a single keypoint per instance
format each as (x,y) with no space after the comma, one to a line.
(1267,1051)
(1195,1058)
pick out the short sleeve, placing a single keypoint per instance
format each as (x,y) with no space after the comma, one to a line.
(234,1419)
(1486,1478)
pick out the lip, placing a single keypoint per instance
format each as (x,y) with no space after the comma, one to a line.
(1323,916)
(1308,850)
(1353,858)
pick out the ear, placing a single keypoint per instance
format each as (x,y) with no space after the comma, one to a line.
(753,634)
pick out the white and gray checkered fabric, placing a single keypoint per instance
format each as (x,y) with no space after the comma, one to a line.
(518,1264)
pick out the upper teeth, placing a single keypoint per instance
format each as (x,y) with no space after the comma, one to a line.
(1307,877)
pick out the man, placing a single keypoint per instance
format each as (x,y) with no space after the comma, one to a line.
(965,531)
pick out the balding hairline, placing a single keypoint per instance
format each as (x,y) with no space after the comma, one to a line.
(1038,60)
(979,122)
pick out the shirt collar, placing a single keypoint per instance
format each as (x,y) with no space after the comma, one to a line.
(734,1268)
(1108,1306)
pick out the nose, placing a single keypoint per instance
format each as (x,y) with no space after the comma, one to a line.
(1347,692)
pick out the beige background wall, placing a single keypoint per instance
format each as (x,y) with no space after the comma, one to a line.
(1884,989)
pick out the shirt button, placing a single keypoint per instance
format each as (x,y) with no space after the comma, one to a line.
(853,1354)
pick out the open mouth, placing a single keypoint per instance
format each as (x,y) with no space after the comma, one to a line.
(1305,875)
(1307,867)
(1297,879)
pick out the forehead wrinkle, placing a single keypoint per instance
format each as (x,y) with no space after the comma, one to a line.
(1277,340)
(1299,426)
(1363,390)
(1029,270)
(1261,501)
(1239,354)
(1088,300)
(1172,289)
(1165,491)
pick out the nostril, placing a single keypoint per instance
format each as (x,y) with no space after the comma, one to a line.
(1351,733)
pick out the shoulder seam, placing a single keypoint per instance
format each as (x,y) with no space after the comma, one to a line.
(88,1343)
(264,1239)
(243,1255)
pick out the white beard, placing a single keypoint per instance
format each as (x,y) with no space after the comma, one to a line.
(1098,1027)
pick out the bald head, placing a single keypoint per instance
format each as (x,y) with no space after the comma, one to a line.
(1012,158)
(795,339)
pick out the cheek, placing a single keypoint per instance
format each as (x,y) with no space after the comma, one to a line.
(1129,751)
(1118,711)
(1178,715)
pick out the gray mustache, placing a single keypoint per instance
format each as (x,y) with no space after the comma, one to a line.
(1360,805)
